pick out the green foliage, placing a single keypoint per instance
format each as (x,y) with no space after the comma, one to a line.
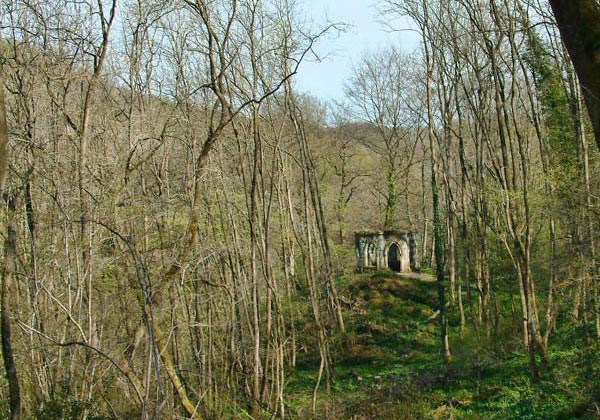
(344,259)
(389,366)
(558,110)
(392,198)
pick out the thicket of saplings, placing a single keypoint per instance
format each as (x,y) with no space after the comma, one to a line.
(177,219)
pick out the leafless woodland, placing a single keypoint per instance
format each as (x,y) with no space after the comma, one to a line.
(176,214)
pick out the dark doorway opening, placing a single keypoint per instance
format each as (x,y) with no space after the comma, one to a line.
(394,254)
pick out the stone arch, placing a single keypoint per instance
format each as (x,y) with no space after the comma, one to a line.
(371,255)
(398,256)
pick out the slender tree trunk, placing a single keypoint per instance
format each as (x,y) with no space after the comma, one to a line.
(3,133)
(437,223)
(424,254)
(391,199)
(595,270)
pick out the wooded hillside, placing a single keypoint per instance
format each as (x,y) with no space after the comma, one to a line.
(178,219)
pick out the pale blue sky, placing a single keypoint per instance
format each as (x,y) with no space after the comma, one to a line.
(326,79)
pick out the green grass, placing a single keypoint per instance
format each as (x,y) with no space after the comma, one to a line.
(388,364)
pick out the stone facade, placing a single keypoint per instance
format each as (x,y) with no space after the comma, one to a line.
(390,249)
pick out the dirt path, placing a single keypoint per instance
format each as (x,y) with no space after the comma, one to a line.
(417,276)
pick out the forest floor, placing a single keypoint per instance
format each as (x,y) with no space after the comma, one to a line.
(388,364)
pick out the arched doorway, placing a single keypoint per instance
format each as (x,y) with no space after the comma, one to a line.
(393,257)
(398,257)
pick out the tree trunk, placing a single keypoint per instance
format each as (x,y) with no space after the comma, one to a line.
(579,24)
(3,134)
(5,329)
(9,256)
(437,223)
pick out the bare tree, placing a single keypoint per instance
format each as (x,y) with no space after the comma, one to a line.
(377,90)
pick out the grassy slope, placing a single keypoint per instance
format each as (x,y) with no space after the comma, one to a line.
(388,365)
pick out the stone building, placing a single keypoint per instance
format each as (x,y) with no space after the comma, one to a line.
(390,249)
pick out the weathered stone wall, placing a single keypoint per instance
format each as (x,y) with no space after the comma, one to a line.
(390,249)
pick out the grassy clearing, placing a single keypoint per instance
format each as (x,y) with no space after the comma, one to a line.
(388,365)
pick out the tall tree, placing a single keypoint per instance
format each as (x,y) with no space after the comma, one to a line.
(9,257)
(377,91)
(579,24)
